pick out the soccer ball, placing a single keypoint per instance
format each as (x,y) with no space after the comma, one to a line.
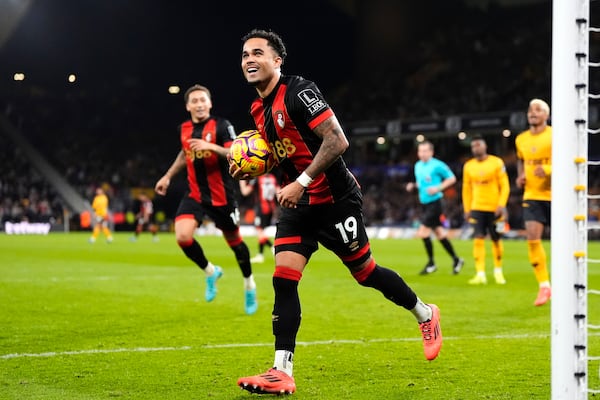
(251,153)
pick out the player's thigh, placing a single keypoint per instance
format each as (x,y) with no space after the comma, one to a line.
(296,231)
(226,218)
(481,222)
(342,231)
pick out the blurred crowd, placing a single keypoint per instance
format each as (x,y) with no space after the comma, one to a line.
(458,67)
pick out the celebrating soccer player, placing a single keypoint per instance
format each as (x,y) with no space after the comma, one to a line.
(321,203)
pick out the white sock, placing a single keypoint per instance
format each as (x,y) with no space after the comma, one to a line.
(422,311)
(498,269)
(210,269)
(284,361)
(481,274)
(249,283)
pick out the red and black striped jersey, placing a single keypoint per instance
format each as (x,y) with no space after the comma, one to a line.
(286,118)
(208,174)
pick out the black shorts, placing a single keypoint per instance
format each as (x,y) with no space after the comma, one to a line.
(431,213)
(339,227)
(262,220)
(484,222)
(226,218)
(537,210)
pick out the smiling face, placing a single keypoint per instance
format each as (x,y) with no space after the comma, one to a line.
(198,105)
(261,65)
(538,113)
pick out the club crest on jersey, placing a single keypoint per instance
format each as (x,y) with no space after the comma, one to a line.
(311,101)
(279,118)
(208,137)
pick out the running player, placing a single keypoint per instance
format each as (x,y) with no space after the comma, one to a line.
(205,140)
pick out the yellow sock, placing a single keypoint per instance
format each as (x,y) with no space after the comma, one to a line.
(96,231)
(479,254)
(537,257)
(106,232)
(497,252)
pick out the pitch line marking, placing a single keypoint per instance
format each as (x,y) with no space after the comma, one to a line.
(240,345)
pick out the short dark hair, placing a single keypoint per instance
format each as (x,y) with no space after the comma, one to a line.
(426,143)
(477,137)
(193,88)
(274,40)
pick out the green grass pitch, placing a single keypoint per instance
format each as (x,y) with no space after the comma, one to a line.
(129,321)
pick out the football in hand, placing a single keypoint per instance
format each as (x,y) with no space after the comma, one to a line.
(251,153)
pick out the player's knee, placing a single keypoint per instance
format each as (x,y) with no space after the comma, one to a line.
(362,271)
(184,237)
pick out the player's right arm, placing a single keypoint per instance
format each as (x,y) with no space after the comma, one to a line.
(164,182)
(333,144)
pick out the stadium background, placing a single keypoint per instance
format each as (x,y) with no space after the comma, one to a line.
(391,70)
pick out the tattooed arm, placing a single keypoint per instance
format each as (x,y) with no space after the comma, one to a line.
(334,144)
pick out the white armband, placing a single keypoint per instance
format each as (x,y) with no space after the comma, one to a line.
(304,179)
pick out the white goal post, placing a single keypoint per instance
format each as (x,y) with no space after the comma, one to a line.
(569,322)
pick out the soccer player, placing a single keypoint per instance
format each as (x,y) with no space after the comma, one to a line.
(433,176)
(264,188)
(205,140)
(485,193)
(534,169)
(321,203)
(144,218)
(100,206)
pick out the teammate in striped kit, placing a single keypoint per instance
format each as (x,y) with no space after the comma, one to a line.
(321,203)
(205,142)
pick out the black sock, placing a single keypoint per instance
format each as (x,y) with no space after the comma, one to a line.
(392,286)
(286,313)
(195,253)
(242,254)
(429,249)
(448,246)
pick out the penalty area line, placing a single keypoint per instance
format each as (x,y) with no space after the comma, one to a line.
(50,354)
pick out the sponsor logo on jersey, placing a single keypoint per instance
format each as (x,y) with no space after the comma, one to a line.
(311,101)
